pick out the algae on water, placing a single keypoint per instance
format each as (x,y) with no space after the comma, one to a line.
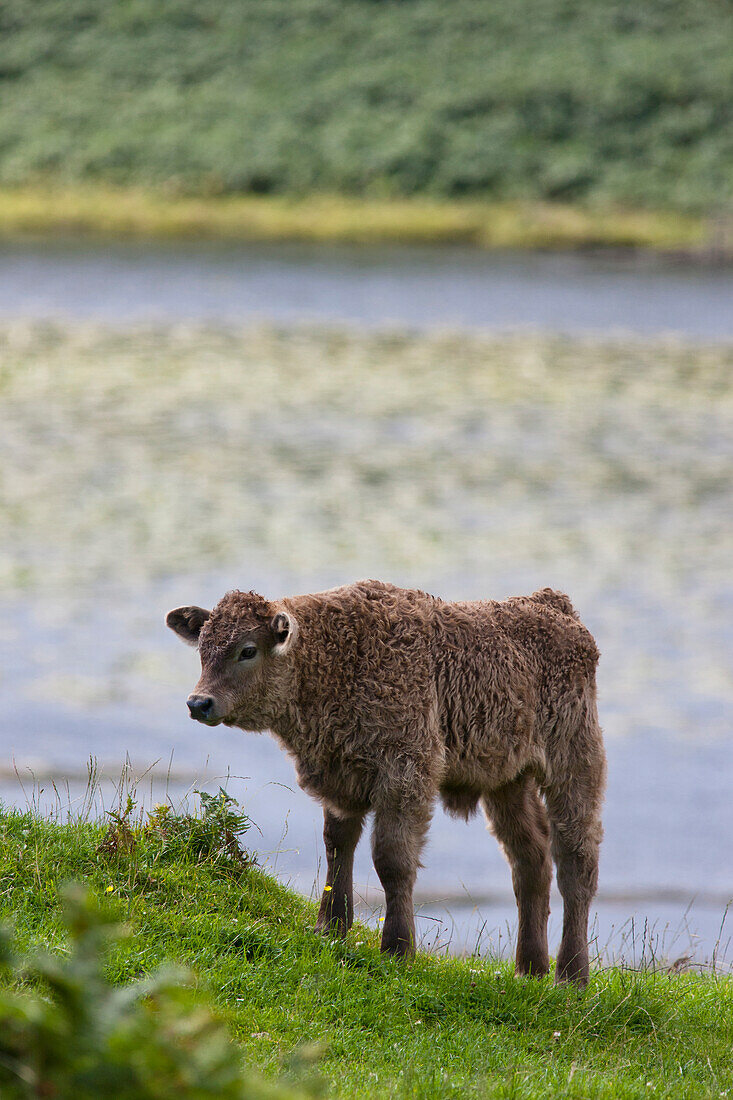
(134,454)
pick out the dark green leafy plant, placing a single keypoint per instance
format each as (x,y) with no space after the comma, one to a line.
(213,836)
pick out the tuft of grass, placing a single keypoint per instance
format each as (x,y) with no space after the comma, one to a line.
(104,211)
(436,1027)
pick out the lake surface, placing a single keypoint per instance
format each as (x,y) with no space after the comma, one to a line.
(416,287)
(159,448)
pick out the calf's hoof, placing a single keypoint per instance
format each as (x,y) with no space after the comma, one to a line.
(336,929)
(331,926)
(401,949)
(401,944)
(532,965)
(572,967)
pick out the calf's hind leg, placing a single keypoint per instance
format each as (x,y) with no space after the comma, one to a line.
(576,833)
(397,840)
(340,835)
(518,820)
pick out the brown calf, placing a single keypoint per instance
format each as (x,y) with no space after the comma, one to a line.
(387,698)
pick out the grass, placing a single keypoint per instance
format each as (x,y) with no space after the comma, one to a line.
(435,1027)
(103,211)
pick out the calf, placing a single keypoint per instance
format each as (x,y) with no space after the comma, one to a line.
(388,698)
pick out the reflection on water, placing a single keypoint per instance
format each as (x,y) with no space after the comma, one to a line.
(150,467)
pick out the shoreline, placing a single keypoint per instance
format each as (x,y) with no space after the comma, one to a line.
(135,214)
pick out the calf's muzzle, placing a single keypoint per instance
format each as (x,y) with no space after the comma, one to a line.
(201,707)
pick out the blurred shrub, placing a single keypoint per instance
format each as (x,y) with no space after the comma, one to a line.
(83,1038)
(541,99)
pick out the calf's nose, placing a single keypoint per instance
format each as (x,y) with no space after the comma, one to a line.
(200,706)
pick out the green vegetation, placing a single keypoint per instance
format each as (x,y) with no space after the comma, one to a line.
(436,1027)
(147,1040)
(534,102)
(151,1039)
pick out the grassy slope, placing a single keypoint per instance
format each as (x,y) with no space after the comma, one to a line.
(437,1027)
(537,101)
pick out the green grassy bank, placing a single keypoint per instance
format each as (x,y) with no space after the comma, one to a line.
(435,1027)
(536,101)
(108,212)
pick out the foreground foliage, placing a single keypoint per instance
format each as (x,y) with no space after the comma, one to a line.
(437,1027)
(539,99)
(85,1038)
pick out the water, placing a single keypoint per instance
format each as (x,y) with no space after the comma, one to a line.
(418,287)
(149,465)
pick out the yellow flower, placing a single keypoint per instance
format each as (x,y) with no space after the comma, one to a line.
(109,890)
(327,888)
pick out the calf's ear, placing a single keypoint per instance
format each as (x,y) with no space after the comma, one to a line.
(285,630)
(186,622)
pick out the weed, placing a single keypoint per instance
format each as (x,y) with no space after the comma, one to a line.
(119,837)
(213,836)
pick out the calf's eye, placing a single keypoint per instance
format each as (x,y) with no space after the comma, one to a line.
(248,653)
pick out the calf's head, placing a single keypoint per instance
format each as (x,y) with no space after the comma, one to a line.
(243,644)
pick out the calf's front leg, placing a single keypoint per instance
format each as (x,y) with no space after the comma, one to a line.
(397,840)
(341,835)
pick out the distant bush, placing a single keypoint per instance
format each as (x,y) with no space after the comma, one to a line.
(80,1038)
(539,99)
